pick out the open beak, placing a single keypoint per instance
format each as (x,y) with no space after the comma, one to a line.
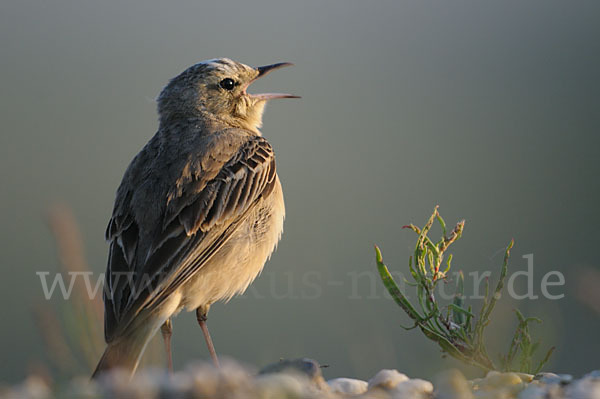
(264,70)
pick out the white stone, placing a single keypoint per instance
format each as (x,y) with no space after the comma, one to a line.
(387,379)
(532,392)
(348,386)
(585,388)
(592,374)
(413,388)
(452,384)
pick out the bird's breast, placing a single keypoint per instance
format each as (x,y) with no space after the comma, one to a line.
(233,268)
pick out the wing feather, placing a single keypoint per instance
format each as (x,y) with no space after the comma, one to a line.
(198,219)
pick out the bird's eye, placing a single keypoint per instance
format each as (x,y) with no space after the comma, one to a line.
(227,84)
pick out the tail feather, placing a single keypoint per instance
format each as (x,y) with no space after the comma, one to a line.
(125,351)
(123,354)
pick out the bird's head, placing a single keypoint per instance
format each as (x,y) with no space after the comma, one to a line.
(217,89)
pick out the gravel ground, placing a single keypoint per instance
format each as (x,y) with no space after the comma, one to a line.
(302,378)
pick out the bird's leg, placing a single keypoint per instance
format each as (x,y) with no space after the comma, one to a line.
(201,313)
(167,331)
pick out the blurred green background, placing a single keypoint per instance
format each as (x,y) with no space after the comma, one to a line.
(489,109)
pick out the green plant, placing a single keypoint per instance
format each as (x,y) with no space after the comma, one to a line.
(455,328)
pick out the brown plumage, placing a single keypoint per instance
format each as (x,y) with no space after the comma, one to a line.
(199,209)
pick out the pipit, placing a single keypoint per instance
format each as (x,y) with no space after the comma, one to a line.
(198,212)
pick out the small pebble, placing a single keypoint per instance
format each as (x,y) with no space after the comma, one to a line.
(414,388)
(495,379)
(532,392)
(387,379)
(585,388)
(525,377)
(452,384)
(348,386)
(551,378)
(539,376)
(592,374)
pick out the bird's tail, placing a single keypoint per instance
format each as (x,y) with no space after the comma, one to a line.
(124,353)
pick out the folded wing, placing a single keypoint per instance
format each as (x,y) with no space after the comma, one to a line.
(199,216)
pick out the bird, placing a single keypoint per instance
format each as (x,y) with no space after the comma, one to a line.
(199,210)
